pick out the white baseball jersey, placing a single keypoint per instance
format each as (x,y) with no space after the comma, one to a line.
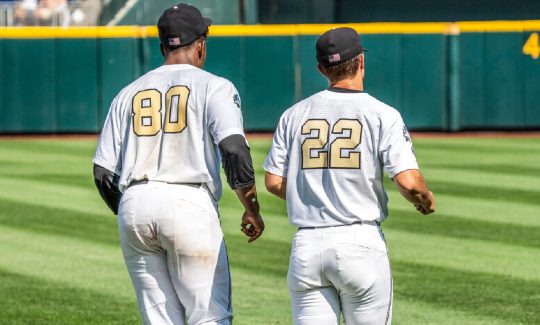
(165,126)
(332,147)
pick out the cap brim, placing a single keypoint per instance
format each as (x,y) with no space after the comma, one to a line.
(207,21)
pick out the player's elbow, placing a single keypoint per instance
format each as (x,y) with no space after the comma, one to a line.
(410,181)
(270,182)
(274,184)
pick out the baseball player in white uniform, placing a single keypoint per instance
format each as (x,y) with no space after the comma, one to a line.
(327,160)
(157,165)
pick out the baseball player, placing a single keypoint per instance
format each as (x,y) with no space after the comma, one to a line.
(157,166)
(327,160)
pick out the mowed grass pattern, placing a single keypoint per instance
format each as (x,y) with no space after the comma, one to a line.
(477,261)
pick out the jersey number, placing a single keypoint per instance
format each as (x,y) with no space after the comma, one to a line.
(336,157)
(147,106)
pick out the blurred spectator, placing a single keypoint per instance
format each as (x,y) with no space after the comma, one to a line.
(52,12)
(42,13)
(24,12)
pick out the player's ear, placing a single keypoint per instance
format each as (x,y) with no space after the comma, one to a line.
(201,51)
(162,49)
(321,70)
(361,66)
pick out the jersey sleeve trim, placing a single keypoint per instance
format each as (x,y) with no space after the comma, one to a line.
(274,170)
(110,167)
(398,169)
(228,132)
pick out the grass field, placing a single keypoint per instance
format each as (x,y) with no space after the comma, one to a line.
(477,261)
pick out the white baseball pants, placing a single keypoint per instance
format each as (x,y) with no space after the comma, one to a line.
(174,250)
(342,269)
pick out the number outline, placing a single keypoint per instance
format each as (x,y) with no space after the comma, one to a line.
(169,111)
(133,114)
(351,150)
(320,151)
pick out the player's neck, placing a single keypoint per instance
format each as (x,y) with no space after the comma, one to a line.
(182,58)
(177,60)
(352,84)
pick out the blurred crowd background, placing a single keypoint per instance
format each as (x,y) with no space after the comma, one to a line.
(43,13)
(145,12)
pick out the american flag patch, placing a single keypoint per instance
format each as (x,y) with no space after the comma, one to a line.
(174,41)
(334,58)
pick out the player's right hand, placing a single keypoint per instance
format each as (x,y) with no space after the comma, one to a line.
(428,207)
(252,225)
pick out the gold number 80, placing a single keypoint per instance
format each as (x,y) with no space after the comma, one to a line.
(147,106)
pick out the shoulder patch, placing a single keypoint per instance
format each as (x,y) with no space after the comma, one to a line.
(406,134)
(236,100)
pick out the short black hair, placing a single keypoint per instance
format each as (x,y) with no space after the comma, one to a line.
(345,70)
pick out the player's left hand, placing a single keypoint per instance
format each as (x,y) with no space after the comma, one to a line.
(252,225)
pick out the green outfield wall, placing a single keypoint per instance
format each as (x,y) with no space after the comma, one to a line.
(440,76)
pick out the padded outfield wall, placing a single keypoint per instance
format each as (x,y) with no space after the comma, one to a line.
(440,76)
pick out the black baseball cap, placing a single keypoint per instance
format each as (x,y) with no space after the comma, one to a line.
(338,45)
(181,25)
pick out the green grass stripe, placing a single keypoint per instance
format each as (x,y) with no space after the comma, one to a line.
(488,142)
(478,178)
(85,181)
(479,146)
(21,154)
(457,227)
(474,209)
(31,300)
(67,260)
(59,222)
(37,166)
(503,297)
(76,148)
(426,158)
(461,254)
(259,298)
(35,192)
(414,311)
(485,192)
(488,169)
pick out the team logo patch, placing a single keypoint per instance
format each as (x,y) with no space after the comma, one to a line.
(174,41)
(406,134)
(236,100)
(334,58)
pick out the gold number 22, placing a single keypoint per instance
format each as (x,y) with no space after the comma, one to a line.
(147,106)
(335,158)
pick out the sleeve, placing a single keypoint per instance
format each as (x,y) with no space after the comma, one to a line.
(237,162)
(277,160)
(224,114)
(395,148)
(107,184)
(110,141)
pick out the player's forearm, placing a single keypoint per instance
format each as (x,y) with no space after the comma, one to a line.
(248,198)
(412,186)
(276,185)
(415,196)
